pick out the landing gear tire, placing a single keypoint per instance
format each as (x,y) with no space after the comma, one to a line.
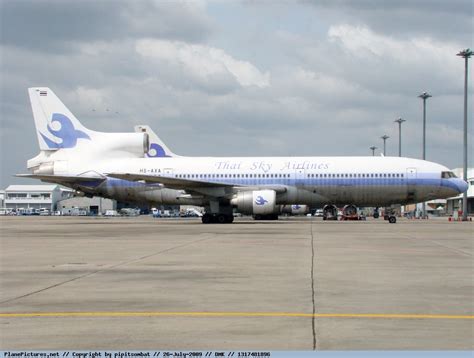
(392,219)
(221,219)
(206,219)
(376,215)
(266,217)
(217,219)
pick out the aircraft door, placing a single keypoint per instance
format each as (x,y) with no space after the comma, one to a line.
(168,172)
(299,176)
(411,175)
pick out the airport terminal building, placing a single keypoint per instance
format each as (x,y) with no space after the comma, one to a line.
(23,198)
(26,199)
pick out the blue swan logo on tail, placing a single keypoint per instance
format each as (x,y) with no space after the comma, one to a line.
(260,200)
(67,133)
(156,151)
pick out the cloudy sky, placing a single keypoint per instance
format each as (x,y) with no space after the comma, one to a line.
(301,78)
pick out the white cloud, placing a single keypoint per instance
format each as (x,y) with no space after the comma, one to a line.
(89,97)
(202,61)
(361,41)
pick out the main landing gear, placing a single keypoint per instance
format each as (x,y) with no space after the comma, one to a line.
(217,219)
(265,217)
(376,213)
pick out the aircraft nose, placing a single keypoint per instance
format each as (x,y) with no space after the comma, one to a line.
(462,185)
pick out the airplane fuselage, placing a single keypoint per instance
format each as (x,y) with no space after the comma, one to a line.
(364,181)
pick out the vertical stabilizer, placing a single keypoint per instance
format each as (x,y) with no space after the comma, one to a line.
(157,148)
(56,126)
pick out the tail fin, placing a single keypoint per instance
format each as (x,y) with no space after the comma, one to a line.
(157,148)
(56,126)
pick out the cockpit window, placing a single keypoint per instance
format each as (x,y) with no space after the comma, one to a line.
(447,175)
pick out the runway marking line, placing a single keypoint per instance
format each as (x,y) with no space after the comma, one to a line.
(233,314)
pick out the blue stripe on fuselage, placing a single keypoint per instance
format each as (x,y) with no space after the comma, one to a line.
(426,181)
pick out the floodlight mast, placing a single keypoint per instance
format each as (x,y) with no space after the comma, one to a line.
(384,137)
(400,121)
(466,54)
(373,150)
(424,96)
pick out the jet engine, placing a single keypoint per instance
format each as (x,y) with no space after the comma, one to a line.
(257,202)
(330,212)
(349,210)
(134,144)
(295,209)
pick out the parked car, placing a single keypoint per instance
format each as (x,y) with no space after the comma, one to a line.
(319,213)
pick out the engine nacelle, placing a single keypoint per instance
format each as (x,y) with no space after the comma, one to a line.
(257,202)
(135,144)
(349,210)
(295,209)
(330,212)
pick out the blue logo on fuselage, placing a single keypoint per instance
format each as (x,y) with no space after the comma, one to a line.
(260,200)
(159,152)
(67,133)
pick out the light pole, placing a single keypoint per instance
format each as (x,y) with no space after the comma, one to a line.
(373,150)
(424,96)
(384,137)
(400,121)
(466,54)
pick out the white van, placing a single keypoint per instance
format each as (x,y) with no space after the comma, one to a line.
(44,212)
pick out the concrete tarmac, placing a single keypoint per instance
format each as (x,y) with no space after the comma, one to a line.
(144,283)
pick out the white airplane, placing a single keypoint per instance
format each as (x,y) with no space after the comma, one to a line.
(126,167)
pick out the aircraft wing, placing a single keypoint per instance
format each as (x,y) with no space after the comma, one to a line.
(173,183)
(192,184)
(63,179)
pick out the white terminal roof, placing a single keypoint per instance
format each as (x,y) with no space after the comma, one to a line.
(41,188)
